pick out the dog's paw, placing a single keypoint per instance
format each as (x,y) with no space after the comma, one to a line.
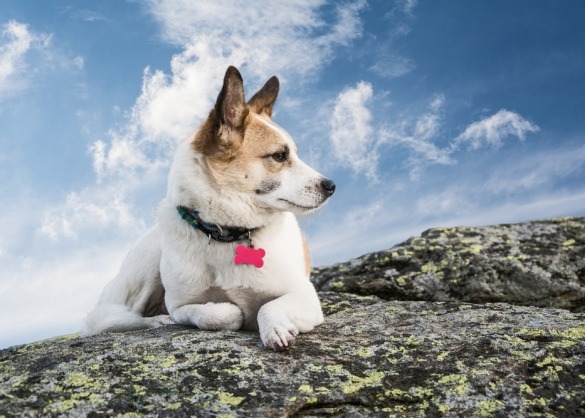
(279,338)
(276,330)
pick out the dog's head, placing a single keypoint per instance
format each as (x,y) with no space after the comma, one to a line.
(247,153)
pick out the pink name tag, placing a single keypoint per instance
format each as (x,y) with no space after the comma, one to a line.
(249,255)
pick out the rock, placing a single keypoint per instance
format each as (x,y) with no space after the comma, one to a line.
(372,357)
(535,263)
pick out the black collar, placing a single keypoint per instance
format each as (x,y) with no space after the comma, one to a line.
(218,233)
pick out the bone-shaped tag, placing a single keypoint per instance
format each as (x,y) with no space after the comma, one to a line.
(249,255)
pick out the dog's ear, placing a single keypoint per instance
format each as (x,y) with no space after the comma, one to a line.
(264,99)
(230,107)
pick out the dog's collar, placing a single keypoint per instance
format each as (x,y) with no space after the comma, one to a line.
(214,231)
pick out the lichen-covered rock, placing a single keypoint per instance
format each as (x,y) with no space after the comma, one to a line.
(535,263)
(376,354)
(370,358)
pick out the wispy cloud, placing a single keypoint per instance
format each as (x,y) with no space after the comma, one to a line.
(358,139)
(408,5)
(494,129)
(16,41)
(418,135)
(85,15)
(401,14)
(392,66)
(537,170)
(453,201)
(351,132)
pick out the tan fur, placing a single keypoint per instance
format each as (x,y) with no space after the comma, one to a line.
(231,164)
(307,257)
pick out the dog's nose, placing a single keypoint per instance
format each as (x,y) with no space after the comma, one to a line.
(328,186)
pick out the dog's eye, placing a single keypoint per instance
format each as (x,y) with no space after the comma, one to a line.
(279,157)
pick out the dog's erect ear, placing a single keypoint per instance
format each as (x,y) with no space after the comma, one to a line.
(264,99)
(230,106)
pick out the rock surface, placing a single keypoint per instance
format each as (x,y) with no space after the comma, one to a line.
(538,263)
(371,357)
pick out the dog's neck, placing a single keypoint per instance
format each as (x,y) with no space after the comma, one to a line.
(216,232)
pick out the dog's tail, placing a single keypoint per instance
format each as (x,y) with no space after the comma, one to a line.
(117,318)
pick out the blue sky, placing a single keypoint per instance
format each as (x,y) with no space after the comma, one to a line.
(425,113)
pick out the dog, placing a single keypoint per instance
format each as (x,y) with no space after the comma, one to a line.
(227,252)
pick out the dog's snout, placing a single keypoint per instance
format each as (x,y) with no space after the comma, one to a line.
(328,186)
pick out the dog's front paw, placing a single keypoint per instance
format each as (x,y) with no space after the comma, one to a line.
(276,330)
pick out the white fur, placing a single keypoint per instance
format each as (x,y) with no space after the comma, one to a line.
(200,283)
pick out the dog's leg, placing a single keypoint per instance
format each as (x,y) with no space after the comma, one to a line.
(210,316)
(281,320)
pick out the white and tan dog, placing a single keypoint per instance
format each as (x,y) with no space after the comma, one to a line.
(227,252)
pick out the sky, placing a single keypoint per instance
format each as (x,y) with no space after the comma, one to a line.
(425,113)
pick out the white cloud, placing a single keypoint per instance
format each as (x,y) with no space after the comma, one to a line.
(392,66)
(494,129)
(363,214)
(452,202)
(16,40)
(48,298)
(85,15)
(538,170)
(408,5)
(418,136)
(351,132)
(282,37)
(93,208)
(358,139)
(78,62)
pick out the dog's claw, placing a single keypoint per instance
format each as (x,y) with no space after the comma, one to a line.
(281,343)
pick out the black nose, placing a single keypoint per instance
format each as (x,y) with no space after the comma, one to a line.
(328,186)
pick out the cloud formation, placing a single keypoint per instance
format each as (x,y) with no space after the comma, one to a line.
(16,41)
(392,66)
(494,129)
(538,170)
(259,32)
(351,130)
(358,139)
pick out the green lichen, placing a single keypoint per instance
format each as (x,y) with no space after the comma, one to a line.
(168,362)
(356,383)
(457,383)
(488,407)
(305,389)
(229,399)
(335,285)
